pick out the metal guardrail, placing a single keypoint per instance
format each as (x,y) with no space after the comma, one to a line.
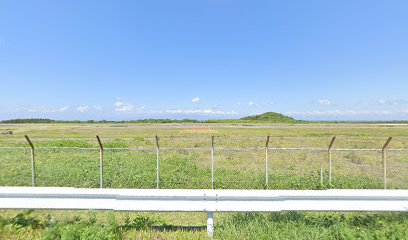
(210,201)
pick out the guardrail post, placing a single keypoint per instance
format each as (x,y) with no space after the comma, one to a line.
(384,159)
(157,163)
(330,161)
(212,162)
(100,161)
(32,160)
(210,224)
(266,163)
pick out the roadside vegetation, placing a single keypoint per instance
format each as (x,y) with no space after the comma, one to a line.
(289,225)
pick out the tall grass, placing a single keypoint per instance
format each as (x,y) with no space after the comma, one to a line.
(295,225)
(290,225)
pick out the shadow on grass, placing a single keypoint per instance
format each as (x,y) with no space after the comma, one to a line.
(173,228)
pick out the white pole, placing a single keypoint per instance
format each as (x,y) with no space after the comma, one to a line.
(210,224)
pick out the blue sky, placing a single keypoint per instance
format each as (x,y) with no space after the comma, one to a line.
(204,59)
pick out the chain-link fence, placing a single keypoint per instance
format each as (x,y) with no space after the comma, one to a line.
(206,163)
(66,167)
(15,167)
(397,170)
(298,168)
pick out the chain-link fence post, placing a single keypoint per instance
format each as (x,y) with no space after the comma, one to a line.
(32,160)
(212,162)
(100,161)
(266,163)
(330,162)
(384,161)
(157,163)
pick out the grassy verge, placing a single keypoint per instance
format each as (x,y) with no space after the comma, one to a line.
(290,225)
(315,226)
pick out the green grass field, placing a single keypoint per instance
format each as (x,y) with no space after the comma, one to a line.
(191,168)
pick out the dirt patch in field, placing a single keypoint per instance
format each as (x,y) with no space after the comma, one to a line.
(198,130)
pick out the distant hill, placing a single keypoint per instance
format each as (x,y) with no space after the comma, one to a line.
(270,117)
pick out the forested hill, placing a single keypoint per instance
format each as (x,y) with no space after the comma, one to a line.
(270,117)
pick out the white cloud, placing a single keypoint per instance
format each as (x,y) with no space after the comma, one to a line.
(200,111)
(42,109)
(83,109)
(195,100)
(391,102)
(123,107)
(63,109)
(119,103)
(127,107)
(98,108)
(324,102)
(253,104)
(382,101)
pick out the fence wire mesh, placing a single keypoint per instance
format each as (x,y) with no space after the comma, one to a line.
(185,168)
(397,169)
(297,169)
(357,169)
(129,168)
(186,163)
(15,167)
(67,167)
(239,168)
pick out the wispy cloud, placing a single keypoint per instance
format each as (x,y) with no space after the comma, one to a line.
(195,100)
(98,108)
(121,106)
(324,102)
(119,103)
(251,104)
(125,108)
(391,102)
(83,109)
(63,109)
